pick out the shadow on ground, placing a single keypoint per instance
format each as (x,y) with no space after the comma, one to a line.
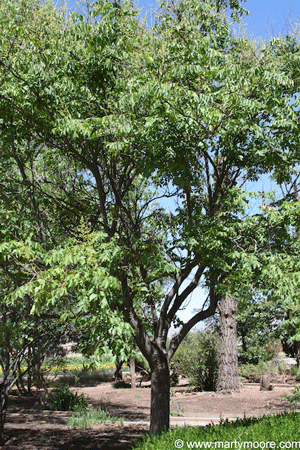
(110,437)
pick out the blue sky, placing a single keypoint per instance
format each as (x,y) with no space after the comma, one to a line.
(267,17)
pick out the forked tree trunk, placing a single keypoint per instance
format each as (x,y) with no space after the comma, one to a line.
(228,358)
(160,394)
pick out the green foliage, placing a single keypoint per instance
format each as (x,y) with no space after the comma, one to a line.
(87,418)
(62,399)
(178,411)
(80,370)
(258,321)
(197,358)
(280,428)
(294,399)
(253,372)
(110,120)
(141,362)
(295,372)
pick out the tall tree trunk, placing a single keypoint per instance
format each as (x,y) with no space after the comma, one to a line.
(4,389)
(228,359)
(132,372)
(160,393)
(297,353)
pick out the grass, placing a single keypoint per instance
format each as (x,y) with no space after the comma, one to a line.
(85,419)
(257,431)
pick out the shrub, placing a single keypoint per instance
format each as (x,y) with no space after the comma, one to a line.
(253,372)
(281,428)
(197,358)
(295,372)
(62,399)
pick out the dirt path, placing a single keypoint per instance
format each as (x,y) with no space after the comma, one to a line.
(29,429)
(189,405)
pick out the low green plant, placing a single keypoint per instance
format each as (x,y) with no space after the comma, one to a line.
(294,399)
(295,372)
(179,411)
(62,399)
(85,419)
(277,429)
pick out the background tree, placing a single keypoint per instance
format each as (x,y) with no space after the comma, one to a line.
(268,290)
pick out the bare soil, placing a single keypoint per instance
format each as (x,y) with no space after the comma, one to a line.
(29,427)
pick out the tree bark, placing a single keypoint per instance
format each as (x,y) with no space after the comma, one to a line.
(297,353)
(265,384)
(3,409)
(160,394)
(118,371)
(228,358)
(132,372)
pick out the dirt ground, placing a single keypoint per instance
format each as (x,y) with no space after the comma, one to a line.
(29,427)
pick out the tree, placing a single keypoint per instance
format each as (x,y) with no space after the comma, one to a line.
(258,323)
(268,293)
(181,111)
(25,339)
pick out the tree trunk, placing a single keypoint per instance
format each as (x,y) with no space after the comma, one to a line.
(3,409)
(132,372)
(118,371)
(160,394)
(297,353)
(265,384)
(228,358)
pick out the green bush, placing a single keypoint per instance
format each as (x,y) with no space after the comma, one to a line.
(253,372)
(295,372)
(62,399)
(197,358)
(282,428)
